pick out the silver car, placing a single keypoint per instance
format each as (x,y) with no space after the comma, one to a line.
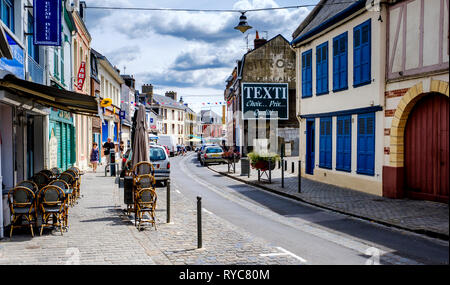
(212,154)
(160,160)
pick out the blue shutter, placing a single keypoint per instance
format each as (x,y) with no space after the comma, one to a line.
(105,128)
(343,143)
(336,65)
(362,53)
(366,144)
(322,68)
(325,144)
(340,62)
(306,74)
(318,70)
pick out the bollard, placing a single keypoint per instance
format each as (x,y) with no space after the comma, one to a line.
(282,173)
(168,200)
(199,222)
(285,165)
(270,171)
(293,167)
(299,176)
(234,164)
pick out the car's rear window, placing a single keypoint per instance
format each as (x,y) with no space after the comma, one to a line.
(213,150)
(157,154)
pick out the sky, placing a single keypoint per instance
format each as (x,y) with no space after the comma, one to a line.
(191,53)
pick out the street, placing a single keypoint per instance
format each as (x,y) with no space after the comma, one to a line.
(313,235)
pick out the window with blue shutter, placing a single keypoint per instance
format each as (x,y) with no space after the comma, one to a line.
(340,69)
(322,69)
(105,130)
(7,13)
(361,54)
(116,137)
(366,144)
(325,146)
(344,143)
(307,74)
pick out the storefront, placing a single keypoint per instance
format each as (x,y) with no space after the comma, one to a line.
(61,139)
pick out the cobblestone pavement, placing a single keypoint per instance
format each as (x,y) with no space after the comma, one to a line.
(427,217)
(101,233)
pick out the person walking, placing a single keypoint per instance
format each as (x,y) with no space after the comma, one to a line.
(94,156)
(107,146)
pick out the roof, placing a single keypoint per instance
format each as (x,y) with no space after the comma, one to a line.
(325,14)
(105,62)
(165,101)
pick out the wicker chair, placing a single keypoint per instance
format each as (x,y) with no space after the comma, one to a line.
(75,174)
(30,185)
(49,173)
(41,179)
(67,190)
(69,179)
(56,171)
(146,203)
(143,167)
(52,203)
(22,204)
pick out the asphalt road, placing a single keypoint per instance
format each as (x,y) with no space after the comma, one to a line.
(310,234)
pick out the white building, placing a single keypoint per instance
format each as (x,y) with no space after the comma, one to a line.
(340,52)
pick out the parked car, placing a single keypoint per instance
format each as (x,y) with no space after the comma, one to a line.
(160,160)
(167,149)
(202,148)
(170,142)
(212,154)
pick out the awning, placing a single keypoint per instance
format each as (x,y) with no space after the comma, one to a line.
(50,96)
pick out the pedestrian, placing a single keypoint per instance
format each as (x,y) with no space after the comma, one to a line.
(121,148)
(107,146)
(94,156)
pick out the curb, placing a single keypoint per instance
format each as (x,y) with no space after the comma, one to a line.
(428,233)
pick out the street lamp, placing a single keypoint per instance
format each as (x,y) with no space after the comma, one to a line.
(243,25)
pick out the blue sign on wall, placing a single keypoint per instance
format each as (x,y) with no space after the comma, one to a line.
(16,64)
(47,22)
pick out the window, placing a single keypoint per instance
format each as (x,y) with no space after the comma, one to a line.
(325,143)
(340,62)
(361,54)
(56,62)
(307,74)
(33,51)
(344,143)
(366,144)
(157,154)
(7,13)
(322,69)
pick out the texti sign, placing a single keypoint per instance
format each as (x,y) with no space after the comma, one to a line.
(81,75)
(266,100)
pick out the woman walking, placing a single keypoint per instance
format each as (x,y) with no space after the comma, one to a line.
(94,156)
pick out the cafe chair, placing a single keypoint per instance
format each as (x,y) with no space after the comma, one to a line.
(77,181)
(52,203)
(22,204)
(67,190)
(146,203)
(56,171)
(69,179)
(41,179)
(30,185)
(49,173)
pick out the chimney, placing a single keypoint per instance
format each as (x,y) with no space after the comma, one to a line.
(147,88)
(259,42)
(172,94)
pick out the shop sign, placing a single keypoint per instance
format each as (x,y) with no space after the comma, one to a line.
(265,100)
(81,75)
(47,22)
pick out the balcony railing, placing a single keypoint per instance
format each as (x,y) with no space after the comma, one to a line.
(35,71)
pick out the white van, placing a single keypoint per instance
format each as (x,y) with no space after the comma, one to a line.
(170,142)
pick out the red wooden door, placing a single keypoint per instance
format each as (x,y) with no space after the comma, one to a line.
(427,149)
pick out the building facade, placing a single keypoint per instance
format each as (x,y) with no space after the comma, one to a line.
(416,116)
(340,83)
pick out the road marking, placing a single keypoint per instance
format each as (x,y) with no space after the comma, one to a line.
(178,191)
(206,211)
(283,253)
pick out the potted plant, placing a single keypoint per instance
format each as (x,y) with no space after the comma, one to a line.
(261,161)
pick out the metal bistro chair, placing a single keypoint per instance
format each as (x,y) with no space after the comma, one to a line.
(22,204)
(41,179)
(52,203)
(68,191)
(30,185)
(75,174)
(146,203)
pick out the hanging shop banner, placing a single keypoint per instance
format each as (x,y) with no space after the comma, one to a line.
(81,76)
(265,100)
(47,22)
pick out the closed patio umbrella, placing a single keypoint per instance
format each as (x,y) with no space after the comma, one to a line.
(140,142)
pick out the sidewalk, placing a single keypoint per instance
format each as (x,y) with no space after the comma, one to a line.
(101,233)
(422,217)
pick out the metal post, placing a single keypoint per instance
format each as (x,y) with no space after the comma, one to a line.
(168,200)
(199,222)
(270,171)
(282,173)
(293,167)
(299,176)
(249,168)
(259,176)
(234,164)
